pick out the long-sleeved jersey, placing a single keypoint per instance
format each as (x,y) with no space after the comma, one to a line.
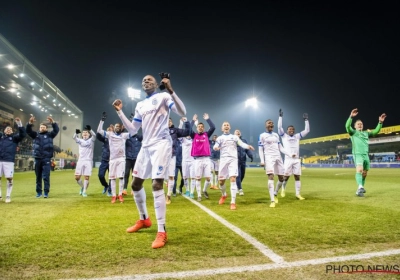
(228,145)
(292,143)
(152,114)
(269,145)
(86,147)
(186,149)
(116,142)
(359,139)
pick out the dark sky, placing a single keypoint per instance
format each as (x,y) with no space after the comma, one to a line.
(320,57)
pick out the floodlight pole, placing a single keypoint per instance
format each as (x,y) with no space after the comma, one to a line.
(251,102)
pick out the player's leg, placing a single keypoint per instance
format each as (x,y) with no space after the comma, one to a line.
(141,170)
(359,162)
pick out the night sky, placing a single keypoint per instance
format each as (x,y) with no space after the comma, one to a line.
(322,57)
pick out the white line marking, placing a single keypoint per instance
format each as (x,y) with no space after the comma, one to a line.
(261,247)
(254,268)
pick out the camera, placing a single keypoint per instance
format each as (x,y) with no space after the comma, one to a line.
(163,75)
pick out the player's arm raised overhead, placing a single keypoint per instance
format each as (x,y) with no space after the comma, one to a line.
(281,132)
(211,130)
(379,125)
(177,107)
(306,126)
(349,121)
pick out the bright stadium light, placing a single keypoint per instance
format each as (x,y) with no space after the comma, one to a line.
(133,93)
(251,102)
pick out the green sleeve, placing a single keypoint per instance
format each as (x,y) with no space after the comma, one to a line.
(349,129)
(376,130)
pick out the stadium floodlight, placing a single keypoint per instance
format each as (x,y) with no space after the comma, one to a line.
(251,102)
(133,93)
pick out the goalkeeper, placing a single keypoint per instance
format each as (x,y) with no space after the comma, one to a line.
(360,147)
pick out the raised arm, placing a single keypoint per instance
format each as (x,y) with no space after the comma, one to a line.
(132,127)
(349,121)
(100,129)
(379,126)
(21,131)
(211,130)
(306,126)
(29,125)
(281,132)
(178,107)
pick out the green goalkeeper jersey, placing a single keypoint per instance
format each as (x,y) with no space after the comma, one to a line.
(359,139)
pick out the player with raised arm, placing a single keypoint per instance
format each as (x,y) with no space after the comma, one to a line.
(84,165)
(227,144)
(8,148)
(175,133)
(201,153)
(360,147)
(269,149)
(116,142)
(292,164)
(152,114)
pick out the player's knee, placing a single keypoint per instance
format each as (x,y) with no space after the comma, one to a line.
(136,185)
(157,184)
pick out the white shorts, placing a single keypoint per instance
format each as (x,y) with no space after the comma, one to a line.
(274,166)
(292,166)
(172,167)
(84,167)
(116,168)
(6,169)
(152,162)
(188,169)
(214,164)
(227,168)
(202,167)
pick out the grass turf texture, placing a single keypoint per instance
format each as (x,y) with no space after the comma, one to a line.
(68,236)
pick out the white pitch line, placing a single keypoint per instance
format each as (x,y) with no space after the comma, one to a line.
(258,245)
(253,268)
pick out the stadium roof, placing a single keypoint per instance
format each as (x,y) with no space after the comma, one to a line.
(24,87)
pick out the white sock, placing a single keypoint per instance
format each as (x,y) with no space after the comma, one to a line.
(206,184)
(271,189)
(278,187)
(113,188)
(140,200)
(80,183)
(160,208)
(121,185)
(192,185)
(233,192)
(85,185)
(223,189)
(198,188)
(170,186)
(284,184)
(9,188)
(297,185)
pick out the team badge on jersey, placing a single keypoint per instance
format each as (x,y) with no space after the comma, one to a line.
(154,102)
